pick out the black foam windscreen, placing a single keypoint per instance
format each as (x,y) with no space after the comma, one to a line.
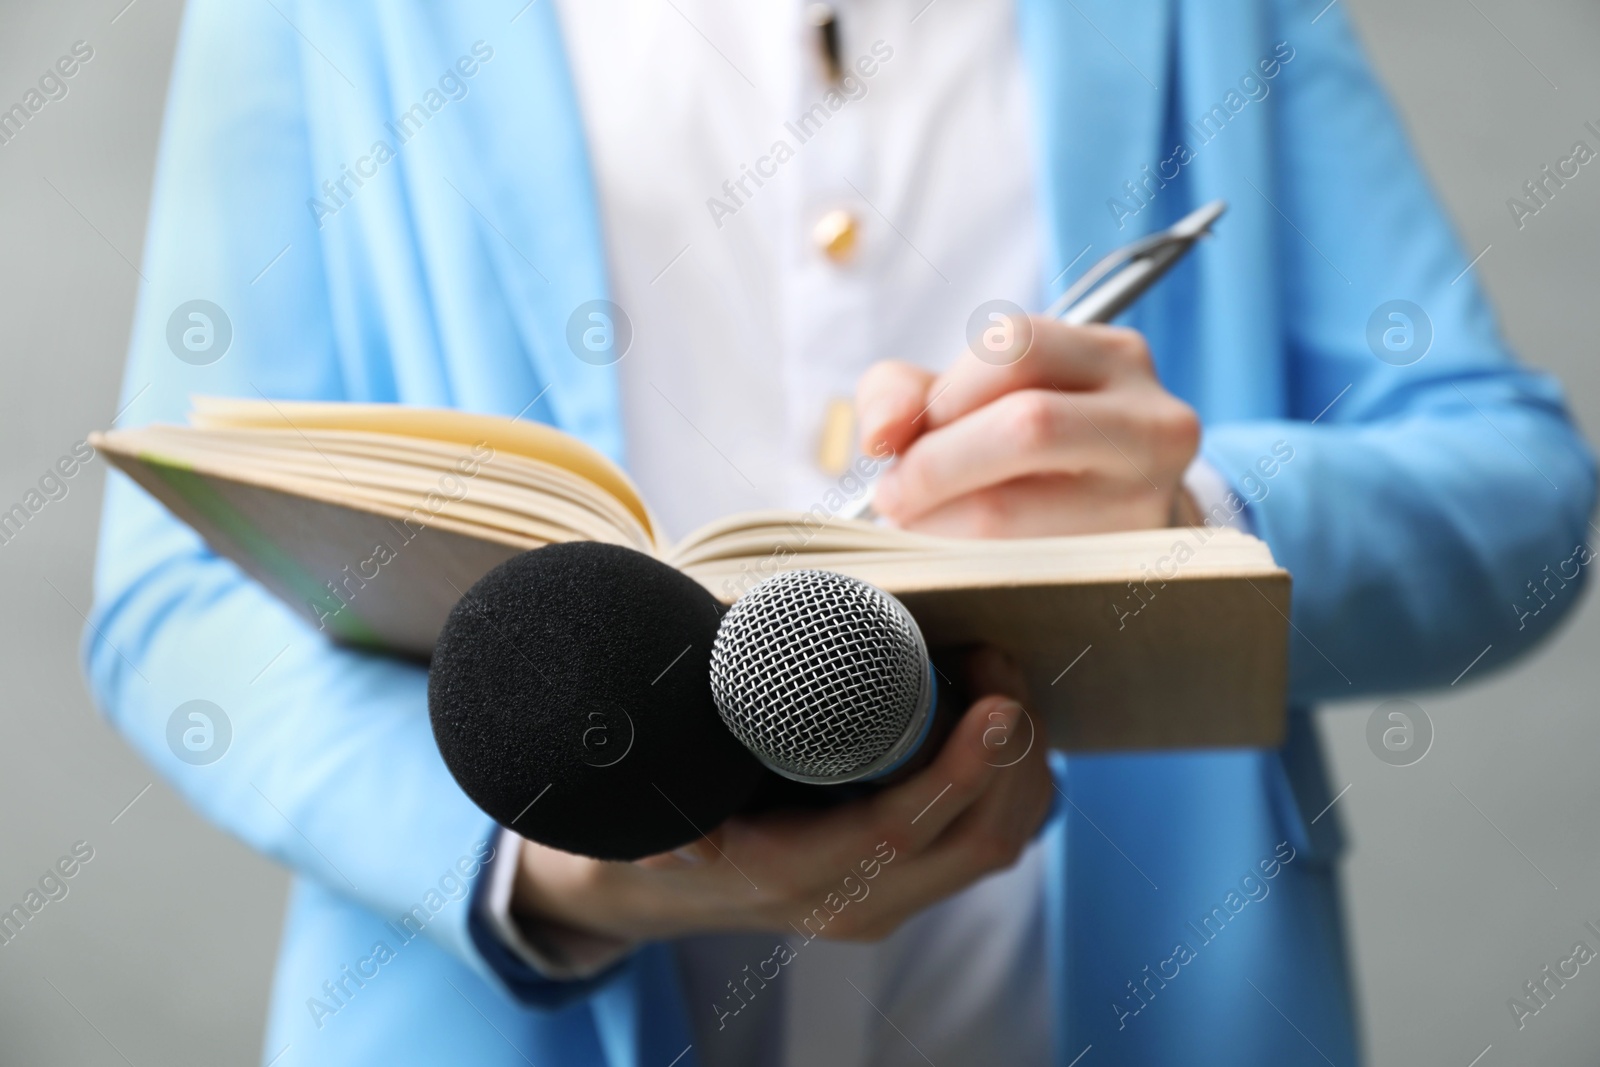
(570,697)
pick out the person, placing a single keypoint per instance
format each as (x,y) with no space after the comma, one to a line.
(784,210)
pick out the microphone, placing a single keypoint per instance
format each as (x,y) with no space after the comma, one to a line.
(827,680)
(568,696)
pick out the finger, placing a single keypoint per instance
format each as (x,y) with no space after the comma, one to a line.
(988,671)
(1035,431)
(1000,824)
(797,858)
(1075,358)
(906,816)
(988,836)
(890,398)
(582,893)
(910,816)
(795,855)
(700,851)
(991,834)
(1050,505)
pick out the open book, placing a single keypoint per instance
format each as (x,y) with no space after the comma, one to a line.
(372,520)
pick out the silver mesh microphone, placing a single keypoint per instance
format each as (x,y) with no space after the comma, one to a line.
(825,678)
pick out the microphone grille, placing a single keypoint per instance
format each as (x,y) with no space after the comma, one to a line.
(821,675)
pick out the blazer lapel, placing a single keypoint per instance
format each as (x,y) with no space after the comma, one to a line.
(527,178)
(1099,72)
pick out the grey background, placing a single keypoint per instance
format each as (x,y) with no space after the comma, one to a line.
(1467,872)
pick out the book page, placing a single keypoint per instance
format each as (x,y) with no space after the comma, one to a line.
(532,440)
(503,494)
(763,543)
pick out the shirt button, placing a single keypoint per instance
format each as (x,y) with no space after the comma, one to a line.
(835,235)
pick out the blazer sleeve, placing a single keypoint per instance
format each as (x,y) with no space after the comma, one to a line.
(330,767)
(1426,505)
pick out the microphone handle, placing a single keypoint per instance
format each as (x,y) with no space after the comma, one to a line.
(949,701)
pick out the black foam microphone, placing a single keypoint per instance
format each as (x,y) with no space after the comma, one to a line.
(570,697)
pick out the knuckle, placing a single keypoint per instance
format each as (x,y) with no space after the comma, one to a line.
(1129,345)
(1178,425)
(1030,419)
(894,835)
(1189,426)
(1125,349)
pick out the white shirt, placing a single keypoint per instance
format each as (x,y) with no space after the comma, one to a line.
(745,332)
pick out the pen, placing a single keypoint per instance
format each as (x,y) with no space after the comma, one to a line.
(1109,288)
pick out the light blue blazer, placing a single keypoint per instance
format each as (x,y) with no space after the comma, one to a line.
(1412,514)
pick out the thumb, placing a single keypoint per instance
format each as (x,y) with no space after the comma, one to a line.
(891,398)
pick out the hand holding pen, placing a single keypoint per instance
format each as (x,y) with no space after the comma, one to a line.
(1060,427)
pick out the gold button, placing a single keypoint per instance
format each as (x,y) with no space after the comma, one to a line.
(836,444)
(835,234)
